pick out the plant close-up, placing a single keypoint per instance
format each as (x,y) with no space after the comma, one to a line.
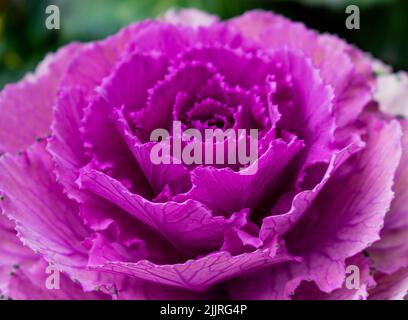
(192,155)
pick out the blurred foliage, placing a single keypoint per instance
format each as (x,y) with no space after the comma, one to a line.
(24,40)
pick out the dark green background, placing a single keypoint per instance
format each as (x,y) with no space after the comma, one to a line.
(24,40)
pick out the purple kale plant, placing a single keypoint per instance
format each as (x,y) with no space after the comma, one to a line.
(80,194)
